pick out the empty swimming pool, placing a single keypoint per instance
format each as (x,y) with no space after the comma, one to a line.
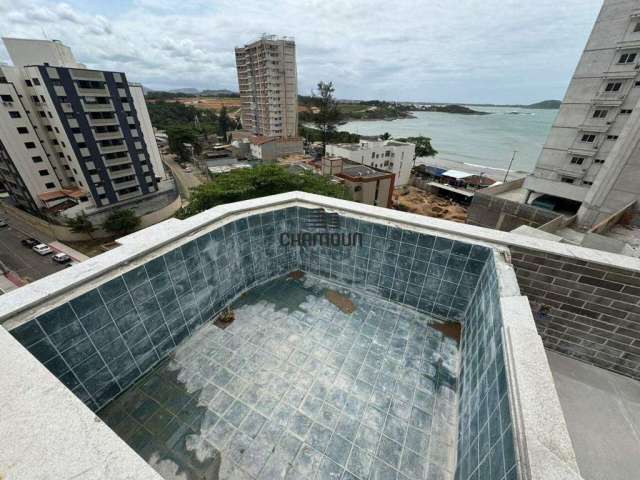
(297,388)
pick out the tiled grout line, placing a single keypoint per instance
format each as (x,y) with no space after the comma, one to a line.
(96,349)
(59,353)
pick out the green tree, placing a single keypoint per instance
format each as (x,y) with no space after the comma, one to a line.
(121,222)
(423,146)
(224,122)
(260,181)
(180,135)
(385,136)
(328,114)
(81,224)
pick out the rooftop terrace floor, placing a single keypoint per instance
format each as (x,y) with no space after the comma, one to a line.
(295,387)
(602,410)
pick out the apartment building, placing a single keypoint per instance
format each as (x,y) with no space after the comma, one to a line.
(591,159)
(390,155)
(72,139)
(268,82)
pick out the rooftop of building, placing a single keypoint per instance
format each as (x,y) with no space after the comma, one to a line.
(362,171)
(324,358)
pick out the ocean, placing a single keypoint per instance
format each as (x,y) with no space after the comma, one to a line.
(475,140)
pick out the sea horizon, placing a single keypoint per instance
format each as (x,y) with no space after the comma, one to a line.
(479,141)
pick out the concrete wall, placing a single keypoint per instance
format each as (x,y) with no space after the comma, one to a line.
(501,214)
(65,234)
(583,309)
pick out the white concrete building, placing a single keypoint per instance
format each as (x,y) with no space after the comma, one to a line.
(268,82)
(390,155)
(591,159)
(70,137)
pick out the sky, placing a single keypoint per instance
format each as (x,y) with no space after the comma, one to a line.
(471,51)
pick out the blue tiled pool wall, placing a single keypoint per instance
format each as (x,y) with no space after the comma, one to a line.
(435,275)
(101,342)
(485,429)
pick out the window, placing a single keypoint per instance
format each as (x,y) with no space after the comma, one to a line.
(588,138)
(627,58)
(577,160)
(587,183)
(28,82)
(37,159)
(49,129)
(14,114)
(29,145)
(599,113)
(625,111)
(42,114)
(6,98)
(23,130)
(43,173)
(637,27)
(613,87)
(598,161)
(36,81)
(49,185)
(612,137)
(35,99)
(567,180)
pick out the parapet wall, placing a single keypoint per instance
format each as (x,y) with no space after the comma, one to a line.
(506,215)
(584,309)
(156,285)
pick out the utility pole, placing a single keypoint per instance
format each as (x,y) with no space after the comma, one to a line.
(510,163)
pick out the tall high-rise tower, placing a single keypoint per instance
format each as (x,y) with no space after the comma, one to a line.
(268,82)
(591,158)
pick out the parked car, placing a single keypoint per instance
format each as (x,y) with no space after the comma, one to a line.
(30,242)
(187,169)
(3,223)
(42,249)
(61,258)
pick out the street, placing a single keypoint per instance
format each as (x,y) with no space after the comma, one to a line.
(22,260)
(185,181)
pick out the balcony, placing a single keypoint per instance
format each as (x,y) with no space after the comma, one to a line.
(113,148)
(84,74)
(93,92)
(95,122)
(123,185)
(111,162)
(340,331)
(108,135)
(98,107)
(121,173)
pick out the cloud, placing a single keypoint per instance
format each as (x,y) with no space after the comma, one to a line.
(406,50)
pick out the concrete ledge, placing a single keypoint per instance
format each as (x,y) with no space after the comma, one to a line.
(544,445)
(48,433)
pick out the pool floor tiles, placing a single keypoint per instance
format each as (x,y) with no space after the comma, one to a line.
(295,388)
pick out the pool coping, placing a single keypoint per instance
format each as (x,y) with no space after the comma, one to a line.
(543,444)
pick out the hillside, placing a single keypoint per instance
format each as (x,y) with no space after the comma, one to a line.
(457,109)
(545,104)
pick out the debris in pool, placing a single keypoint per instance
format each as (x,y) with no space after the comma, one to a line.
(225,318)
(296,274)
(449,329)
(340,301)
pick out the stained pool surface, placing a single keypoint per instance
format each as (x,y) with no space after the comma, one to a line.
(297,388)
